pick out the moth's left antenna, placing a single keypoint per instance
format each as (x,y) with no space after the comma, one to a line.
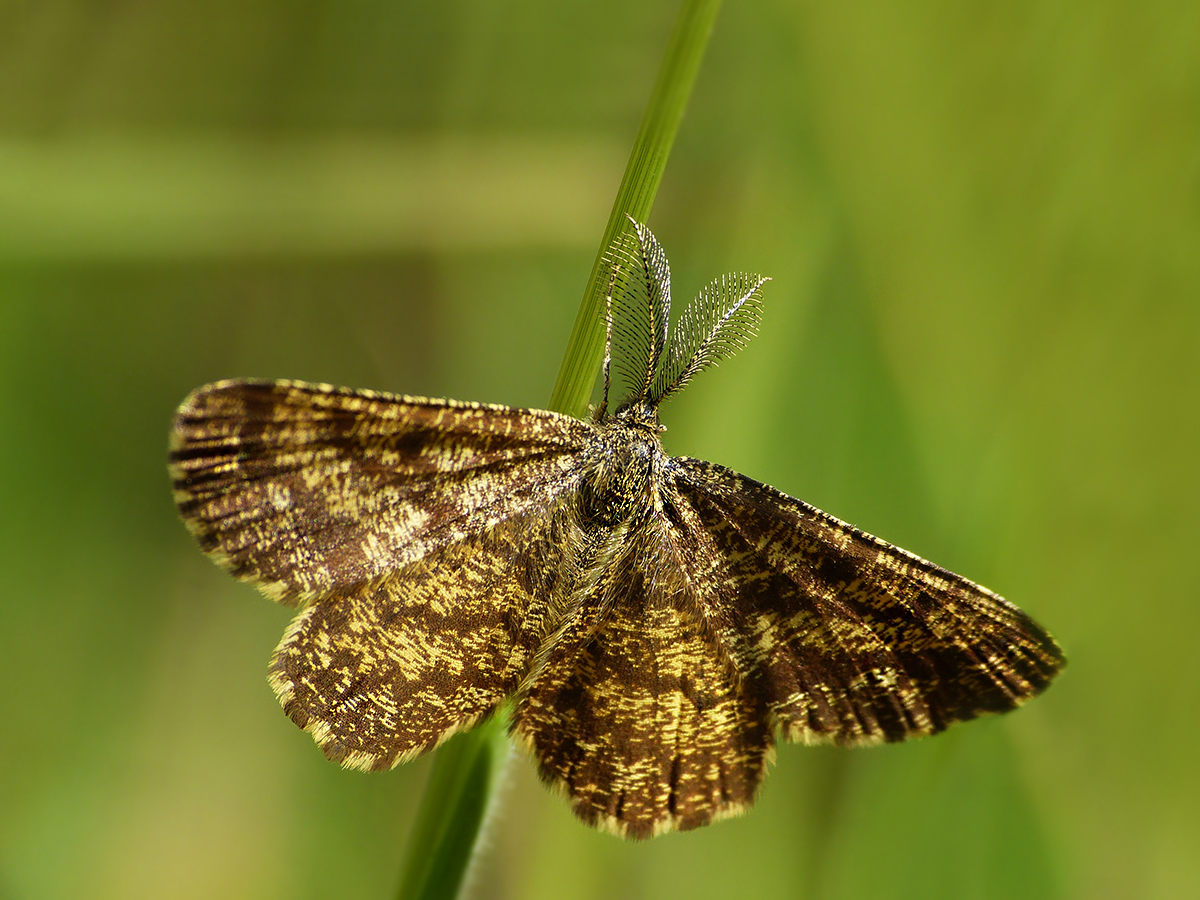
(608,295)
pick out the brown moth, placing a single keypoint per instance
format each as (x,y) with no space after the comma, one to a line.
(654,621)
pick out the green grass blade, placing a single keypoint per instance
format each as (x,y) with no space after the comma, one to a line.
(635,196)
(452,812)
(465,771)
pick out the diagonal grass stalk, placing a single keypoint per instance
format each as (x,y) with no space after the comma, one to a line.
(466,770)
(635,196)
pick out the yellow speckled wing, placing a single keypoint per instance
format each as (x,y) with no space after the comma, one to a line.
(842,636)
(635,713)
(306,489)
(388,670)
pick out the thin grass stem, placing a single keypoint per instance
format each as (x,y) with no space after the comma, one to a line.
(635,196)
(466,771)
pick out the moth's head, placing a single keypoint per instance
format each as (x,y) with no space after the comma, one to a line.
(641,414)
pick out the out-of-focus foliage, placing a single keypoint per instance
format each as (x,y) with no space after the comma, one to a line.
(982,342)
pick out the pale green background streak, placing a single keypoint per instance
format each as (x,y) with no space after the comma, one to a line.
(981,342)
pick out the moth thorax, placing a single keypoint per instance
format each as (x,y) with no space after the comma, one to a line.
(621,474)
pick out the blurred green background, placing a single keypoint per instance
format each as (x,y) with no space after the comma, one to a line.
(982,343)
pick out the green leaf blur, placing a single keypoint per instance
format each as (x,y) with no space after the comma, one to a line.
(982,342)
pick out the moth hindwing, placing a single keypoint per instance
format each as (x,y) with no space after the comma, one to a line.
(654,621)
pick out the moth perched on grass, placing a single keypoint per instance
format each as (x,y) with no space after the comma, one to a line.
(654,621)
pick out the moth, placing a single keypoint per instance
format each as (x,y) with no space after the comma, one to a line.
(653,622)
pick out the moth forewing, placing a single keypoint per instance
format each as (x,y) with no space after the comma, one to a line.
(306,489)
(867,642)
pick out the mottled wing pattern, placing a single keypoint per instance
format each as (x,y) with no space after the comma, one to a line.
(390,669)
(304,489)
(842,636)
(636,714)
